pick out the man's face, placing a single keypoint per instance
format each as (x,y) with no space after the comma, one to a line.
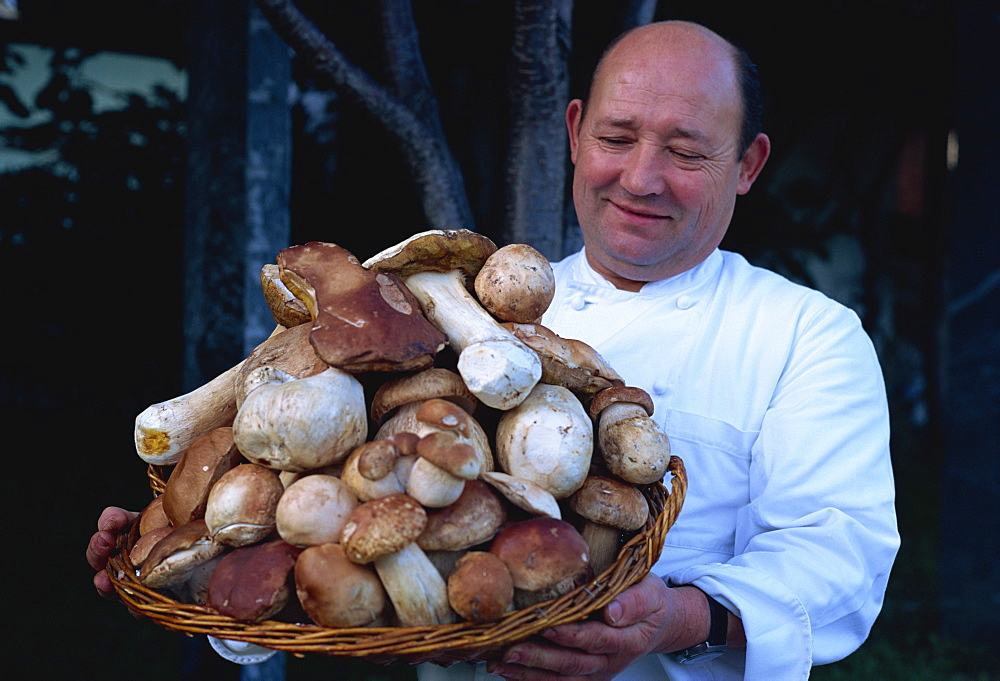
(657,171)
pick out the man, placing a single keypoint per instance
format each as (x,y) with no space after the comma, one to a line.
(770,392)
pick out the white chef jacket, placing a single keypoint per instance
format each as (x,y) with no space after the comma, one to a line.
(772,395)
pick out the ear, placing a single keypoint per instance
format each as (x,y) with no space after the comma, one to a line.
(753,162)
(574,117)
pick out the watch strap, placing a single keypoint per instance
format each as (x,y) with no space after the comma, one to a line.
(718,630)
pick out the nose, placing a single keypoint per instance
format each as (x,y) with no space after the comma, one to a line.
(643,173)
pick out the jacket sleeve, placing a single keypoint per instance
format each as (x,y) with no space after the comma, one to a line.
(816,540)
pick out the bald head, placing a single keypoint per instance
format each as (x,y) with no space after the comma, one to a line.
(665,44)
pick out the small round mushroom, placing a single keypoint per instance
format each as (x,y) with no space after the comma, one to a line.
(153,516)
(546,557)
(516,283)
(480,588)
(609,508)
(368,473)
(336,592)
(415,388)
(242,504)
(632,444)
(313,510)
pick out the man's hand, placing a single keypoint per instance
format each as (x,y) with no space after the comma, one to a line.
(648,617)
(102,543)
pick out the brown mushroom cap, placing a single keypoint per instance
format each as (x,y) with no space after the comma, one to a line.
(611,502)
(252,583)
(474,518)
(145,543)
(423,385)
(172,559)
(362,320)
(516,283)
(201,465)
(381,527)
(448,450)
(480,588)
(542,553)
(336,592)
(436,251)
(152,516)
(630,394)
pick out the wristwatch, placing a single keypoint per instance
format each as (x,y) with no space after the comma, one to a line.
(716,643)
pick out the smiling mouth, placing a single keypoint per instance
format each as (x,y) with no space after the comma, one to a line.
(638,213)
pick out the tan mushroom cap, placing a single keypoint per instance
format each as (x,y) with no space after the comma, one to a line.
(172,559)
(288,350)
(610,502)
(153,516)
(436,250)
(381,527)
(452,452)
(287,310)
(140,550)
(313,510)
(629,394)
(435,382)
(362,320)
(480,588)
(242,504)
(516,283)
(542,552)
(474,518)
(566,361)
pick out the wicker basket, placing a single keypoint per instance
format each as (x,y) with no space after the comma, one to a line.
(444,644)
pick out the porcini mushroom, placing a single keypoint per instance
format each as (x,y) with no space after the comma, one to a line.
(297,424)
(567,362)
(201,465)
(242,504)
(288,310)
(172,559)
(632,444)
(547,439)
(377,468)
(253,583)
(480,588)
(525,494)
(435,265)
(362,320)
(609,508)
(313,509)
(288,350)
(516,283)
(474,518)
(336,592)
(384,532)
(546,557)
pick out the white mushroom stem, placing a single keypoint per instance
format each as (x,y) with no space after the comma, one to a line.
(417,590)
(433,486)
(164,430)
(497,367)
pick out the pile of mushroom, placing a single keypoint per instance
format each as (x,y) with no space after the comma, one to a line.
(410,446)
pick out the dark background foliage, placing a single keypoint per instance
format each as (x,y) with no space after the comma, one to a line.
(857,200)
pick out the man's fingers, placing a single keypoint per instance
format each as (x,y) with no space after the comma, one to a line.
(636,603)
(99,549)
(113,519)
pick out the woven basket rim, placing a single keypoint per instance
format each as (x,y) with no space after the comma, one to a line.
(442,643)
